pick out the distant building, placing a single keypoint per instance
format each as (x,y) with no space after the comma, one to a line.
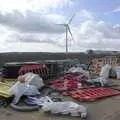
(98,62)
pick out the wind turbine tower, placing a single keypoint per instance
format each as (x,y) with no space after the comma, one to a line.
(67,29)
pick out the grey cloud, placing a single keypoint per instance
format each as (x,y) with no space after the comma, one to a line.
(105,45)
(109,31)
(32,22)
(91,34)
(36,40)
(99,29)
(97,35)
(23,38)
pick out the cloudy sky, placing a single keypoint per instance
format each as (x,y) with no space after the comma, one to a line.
(32,25)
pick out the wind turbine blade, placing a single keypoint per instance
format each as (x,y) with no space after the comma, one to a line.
(71,18)
(70,31)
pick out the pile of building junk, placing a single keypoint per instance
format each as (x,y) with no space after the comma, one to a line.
(34,93)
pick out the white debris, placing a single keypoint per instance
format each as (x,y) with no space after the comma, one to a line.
(105,71)
(67,107)
(32,79)
(19,89)
(118,72)
(79,70)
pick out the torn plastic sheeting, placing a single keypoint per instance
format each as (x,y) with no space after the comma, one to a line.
(105,71)
(32,79)
(67,107)
(118,72)
(20,89)
(79,70)
(38,101)
(101,80)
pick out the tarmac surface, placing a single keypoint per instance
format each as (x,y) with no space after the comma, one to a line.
(104,109)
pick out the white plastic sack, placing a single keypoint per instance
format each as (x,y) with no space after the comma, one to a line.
(105,71)
(79,69)
(67,107)
(32,79)
(19,89)
(118,72)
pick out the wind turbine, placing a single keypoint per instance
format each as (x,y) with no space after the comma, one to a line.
(67,29)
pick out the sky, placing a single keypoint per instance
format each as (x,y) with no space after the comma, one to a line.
(33,25)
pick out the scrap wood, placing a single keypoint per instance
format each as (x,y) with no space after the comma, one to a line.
(4,90)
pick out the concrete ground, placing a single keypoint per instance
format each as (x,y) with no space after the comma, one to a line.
(105,109)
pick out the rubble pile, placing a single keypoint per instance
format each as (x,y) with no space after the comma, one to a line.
(76,83)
